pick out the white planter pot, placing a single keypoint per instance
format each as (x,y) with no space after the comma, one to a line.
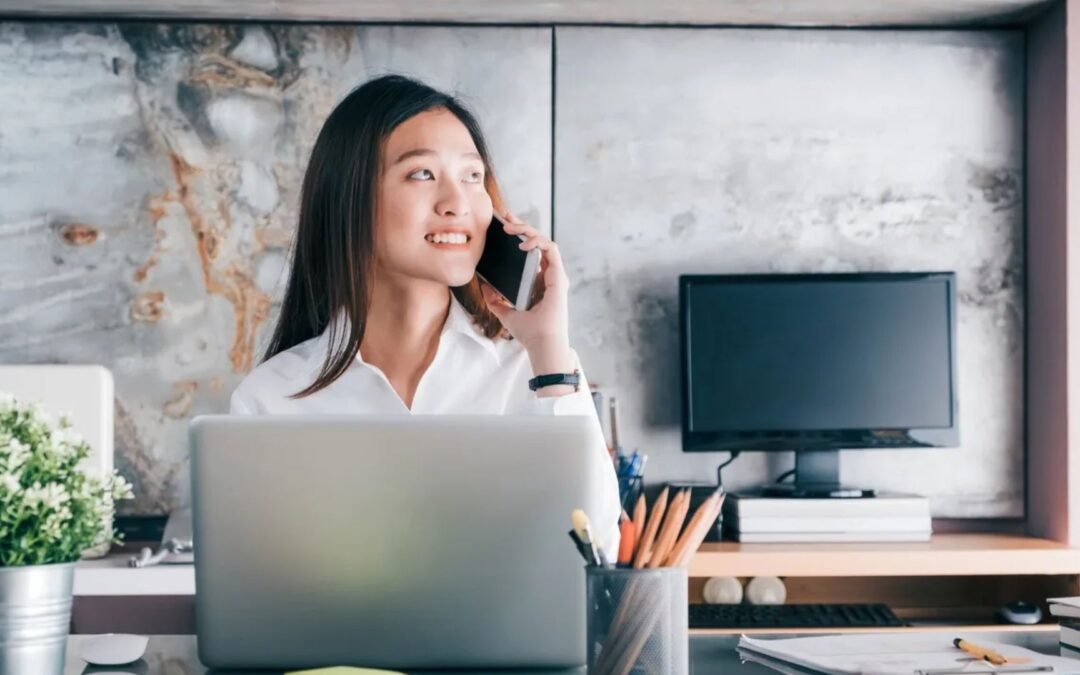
(35,617)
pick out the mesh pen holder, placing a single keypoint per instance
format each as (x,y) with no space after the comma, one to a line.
(637,621)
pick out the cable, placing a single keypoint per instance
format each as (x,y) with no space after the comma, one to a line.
(781,477)
(733,455)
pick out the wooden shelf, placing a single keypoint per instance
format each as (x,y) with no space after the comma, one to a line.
(693,12)
(943,555)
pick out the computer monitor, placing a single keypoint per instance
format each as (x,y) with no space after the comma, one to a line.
(816,363)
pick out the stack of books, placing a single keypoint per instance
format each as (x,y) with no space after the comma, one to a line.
(1067,610)
(752,518)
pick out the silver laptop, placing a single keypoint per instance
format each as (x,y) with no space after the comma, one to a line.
(400,542)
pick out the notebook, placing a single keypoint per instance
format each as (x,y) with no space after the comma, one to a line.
(893,654)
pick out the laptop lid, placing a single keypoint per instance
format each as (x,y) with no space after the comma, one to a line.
(398,542)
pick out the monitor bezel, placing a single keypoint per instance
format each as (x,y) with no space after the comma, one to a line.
(818,439)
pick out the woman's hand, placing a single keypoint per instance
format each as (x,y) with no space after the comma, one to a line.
(544,330)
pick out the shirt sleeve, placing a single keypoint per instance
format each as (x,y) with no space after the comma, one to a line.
(606,521)
(241,404)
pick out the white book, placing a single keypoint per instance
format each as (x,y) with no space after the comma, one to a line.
(827,537)
(1070,635)
(1073,601)
(1068,611)
(749,525)
(747,505)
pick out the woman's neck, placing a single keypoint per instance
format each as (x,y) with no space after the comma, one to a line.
(403,324)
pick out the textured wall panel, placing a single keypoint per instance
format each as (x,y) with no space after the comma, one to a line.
(150,176)
(701,151)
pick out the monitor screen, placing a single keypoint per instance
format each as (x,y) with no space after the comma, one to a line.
(830,360)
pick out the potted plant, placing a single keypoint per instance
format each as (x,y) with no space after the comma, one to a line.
(51,510)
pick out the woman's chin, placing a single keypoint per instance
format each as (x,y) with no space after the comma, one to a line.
(455,277)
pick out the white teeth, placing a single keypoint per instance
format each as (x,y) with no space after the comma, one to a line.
(448,238)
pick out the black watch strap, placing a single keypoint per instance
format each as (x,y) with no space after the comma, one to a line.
(541,381)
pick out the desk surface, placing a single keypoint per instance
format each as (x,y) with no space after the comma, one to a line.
(176,655)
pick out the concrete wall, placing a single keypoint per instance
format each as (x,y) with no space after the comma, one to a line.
(676,151)
(700,151)
(122,145)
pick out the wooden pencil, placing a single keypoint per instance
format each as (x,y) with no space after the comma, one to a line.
(624,632)
(670,529)
(694,543)
(699,516)
(645,542)
(639,516)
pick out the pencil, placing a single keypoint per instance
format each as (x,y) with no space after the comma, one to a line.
(652,526)
(983,653)
(639,515)
(695,533)
(627,540)
(669,532)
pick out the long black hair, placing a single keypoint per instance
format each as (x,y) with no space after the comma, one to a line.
(333,255)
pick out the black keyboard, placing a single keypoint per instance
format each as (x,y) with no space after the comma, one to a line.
(792,616)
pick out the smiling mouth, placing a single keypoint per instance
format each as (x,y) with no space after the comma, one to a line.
(448,238)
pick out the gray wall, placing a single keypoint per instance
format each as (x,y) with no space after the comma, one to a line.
(697,151)
(121,145)
(676,151)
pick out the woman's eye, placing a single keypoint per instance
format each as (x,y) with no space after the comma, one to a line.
(476,177)
(423,174)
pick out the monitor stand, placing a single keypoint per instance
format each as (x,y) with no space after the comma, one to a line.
(817,476)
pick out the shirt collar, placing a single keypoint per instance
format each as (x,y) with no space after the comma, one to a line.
(458,321)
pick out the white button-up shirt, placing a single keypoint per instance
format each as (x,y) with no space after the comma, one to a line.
(470,374)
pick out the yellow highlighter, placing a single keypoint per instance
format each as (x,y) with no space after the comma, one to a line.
(344,670)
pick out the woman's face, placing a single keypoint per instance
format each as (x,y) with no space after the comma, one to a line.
(433,210)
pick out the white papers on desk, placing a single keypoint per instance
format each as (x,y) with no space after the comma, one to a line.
(893,654)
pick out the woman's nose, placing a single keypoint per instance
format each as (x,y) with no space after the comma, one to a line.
(452,200)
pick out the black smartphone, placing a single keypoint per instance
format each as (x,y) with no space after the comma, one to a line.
(506,268)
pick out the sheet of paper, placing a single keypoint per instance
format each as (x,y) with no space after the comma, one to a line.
(895,654)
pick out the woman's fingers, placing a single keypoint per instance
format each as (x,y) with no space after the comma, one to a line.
(551,265)
(523,230)
(514,226)
(536,241)
(554,271)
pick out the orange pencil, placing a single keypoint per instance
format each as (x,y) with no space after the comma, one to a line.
(627,540)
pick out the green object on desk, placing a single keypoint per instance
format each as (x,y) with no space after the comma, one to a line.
(344,670)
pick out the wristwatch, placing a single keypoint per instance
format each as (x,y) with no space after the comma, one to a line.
(541,381)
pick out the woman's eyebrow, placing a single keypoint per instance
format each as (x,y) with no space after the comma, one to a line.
(427,151)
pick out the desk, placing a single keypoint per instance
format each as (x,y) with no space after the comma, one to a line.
(176,655)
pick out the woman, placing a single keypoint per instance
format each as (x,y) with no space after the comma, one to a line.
(383,312)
